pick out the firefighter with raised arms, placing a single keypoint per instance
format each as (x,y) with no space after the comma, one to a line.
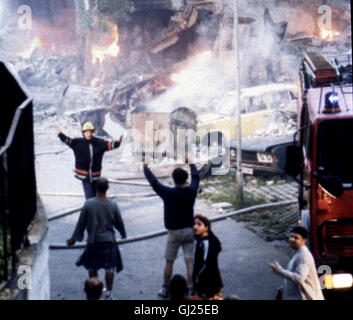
(88,152)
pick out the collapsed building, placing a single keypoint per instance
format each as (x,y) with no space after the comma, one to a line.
(163,55)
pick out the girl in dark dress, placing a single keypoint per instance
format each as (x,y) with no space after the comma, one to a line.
(206,276)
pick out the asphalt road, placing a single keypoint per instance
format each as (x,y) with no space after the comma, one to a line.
(243,261)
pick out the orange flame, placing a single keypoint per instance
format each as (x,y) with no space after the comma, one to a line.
(327,34)
(94,83)
(100,53)
(27,53)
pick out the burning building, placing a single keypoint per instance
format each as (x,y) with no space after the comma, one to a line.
(149,56)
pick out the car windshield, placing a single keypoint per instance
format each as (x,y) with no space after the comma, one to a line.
(335,143)
(271,100)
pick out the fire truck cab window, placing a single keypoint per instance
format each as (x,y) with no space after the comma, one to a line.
(334,147)
(274,100)
(245,105)
(280,100)
(266,101)
(257,104)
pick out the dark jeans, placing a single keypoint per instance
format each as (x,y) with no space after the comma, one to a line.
(89,188)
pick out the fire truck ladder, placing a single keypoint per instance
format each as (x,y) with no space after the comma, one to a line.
(320,70)
(330,70)
(343,65)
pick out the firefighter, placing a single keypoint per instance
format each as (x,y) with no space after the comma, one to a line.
(88,152)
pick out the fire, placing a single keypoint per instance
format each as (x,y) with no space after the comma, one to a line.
(327,34)
(94,83)
(100,53)
(194,73)
(27,53)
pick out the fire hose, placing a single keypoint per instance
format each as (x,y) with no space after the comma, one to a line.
(163,232)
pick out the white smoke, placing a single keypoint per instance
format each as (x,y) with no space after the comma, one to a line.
(204,82)
(198,84)
(2,4)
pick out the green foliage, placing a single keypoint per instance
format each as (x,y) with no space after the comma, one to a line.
(101,11)
(2,253)
(8,242)
(271,224)
(113,9)
(85,19)
(225,192)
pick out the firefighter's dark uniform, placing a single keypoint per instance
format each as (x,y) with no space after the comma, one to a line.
(88,159)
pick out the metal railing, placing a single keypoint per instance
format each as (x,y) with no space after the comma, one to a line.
(17,189)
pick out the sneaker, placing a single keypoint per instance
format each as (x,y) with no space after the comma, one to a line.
(108,296)
(191,292)
(163,293)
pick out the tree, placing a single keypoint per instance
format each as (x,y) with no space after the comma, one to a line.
(92,18)
(113,9)
(92,14)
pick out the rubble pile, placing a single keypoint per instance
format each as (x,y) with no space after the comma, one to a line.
(282,123)
(45,79)
(155,44)
(47,72)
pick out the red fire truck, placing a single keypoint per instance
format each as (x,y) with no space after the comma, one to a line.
(322,162)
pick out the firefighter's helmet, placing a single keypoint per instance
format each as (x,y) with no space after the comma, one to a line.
(88,126)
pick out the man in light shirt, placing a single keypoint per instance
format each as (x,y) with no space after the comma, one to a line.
(300,278)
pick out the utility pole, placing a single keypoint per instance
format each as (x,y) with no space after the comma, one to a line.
(239,174)
(80,7)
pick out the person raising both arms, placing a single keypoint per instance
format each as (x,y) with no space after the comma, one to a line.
(88,152)
(179,204)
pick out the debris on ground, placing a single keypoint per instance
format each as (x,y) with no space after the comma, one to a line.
(269,224)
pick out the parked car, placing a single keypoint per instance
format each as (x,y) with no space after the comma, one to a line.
(261,155)
(259,105)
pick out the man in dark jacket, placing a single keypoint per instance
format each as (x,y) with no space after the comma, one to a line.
(178,218)
(88,152)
